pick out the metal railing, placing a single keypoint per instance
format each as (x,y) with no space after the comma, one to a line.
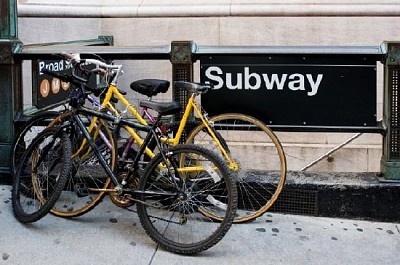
(183,55)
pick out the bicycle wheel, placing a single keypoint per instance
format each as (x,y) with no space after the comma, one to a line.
(88,181)
(32,128)
(173,194)
(41,175)
(261,161)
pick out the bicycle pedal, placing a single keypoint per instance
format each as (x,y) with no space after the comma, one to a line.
(81,190)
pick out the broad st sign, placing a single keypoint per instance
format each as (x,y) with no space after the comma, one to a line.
(48,90)
(312,90)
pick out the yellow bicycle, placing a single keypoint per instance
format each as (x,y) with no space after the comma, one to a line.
(251,150)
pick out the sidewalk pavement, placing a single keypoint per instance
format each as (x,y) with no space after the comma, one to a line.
(110,235)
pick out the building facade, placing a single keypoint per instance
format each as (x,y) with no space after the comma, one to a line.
(223,22)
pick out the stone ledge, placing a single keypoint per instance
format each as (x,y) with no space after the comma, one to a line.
(152,8)
(344,195)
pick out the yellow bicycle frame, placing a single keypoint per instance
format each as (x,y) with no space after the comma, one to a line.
(113,91)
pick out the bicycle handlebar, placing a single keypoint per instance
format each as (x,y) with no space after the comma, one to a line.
(114,69)
(79,81)
(76,59)
(101,64)
(71,57)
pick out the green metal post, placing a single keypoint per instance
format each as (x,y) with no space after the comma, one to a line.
(10,81)
(390,163)
(8,19)
(182,60)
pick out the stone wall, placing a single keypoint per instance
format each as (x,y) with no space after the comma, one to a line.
(219,22)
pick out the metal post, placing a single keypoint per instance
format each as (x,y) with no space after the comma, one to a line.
(182,60)
(390,163)
(10,81)
(8,19)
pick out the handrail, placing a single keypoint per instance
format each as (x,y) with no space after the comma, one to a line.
(164,52)
(29,52)
(321,50)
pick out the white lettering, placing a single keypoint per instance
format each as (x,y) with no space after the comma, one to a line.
(274,80)
(314,84)
(229,84)
(253,81)
(248,76)
(296,84)
(216,78)
(41,66)
(54,67)
(68,65)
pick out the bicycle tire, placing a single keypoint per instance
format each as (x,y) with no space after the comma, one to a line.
(261,174)
(41,175)
(173,219)
(32,128)
(87,183)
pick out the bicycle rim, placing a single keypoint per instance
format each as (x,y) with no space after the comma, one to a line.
(261,161)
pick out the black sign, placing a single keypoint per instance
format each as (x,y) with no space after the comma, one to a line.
(48,90)
(310,90)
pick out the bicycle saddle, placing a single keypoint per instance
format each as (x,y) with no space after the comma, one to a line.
(191,86)
(150,87)
(163,108)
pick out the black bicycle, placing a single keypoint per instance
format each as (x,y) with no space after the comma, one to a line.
(178,194)
(42,173)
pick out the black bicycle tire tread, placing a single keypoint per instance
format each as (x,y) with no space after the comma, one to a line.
(33,217)
(220,232)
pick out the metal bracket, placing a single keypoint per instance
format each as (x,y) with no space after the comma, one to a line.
(392,53)
(182,52)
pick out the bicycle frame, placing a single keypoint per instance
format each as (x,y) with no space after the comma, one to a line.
(129,124)
(88,139)
(113,91)
(191,106)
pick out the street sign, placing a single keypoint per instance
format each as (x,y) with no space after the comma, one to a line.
(311,90)
(48,90)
